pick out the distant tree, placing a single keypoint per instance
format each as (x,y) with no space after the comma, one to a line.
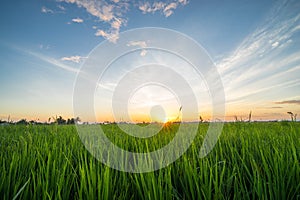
(2,122)
(32,122)
(60,120)
(22,121)
(71,121)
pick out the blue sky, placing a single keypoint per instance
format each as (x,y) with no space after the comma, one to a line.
(254,44)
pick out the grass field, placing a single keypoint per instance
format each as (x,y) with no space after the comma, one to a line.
(250,161)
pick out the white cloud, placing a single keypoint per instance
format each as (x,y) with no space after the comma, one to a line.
(113,33)
(113,12)
(141,44)
(116,24)
(143,52)
(101,33)
(46,47)
(106,12)
(77,20)
(112,36)
(145,7)
(61,7)
(76,59)
(166,8)
(183,2)
(46,10)
(58,10)
(156,6)
(169,9)
(275,44)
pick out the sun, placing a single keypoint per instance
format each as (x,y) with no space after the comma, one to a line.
(167,125)
(165,120)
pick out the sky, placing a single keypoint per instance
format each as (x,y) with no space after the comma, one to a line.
(254,45)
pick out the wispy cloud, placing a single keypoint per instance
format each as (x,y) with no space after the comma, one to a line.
(141,44)
(46,10)
(107,86)
(61,7)
(183,2)
(167,8)
(49,60)
(297,102)
(260,62)
(276,107)
(77,20)
(146,7)
(46,47)
(58,10)
(113,12)
(75,59)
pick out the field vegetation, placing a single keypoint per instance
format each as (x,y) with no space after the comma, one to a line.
(257,160)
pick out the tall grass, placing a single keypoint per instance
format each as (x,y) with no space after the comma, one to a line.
(250,161)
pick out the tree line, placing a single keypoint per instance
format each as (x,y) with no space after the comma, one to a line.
(52,120)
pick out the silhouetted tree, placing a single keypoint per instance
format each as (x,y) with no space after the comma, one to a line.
(22,121)
(60,120)
(32,121)
(71,121)
(3,122)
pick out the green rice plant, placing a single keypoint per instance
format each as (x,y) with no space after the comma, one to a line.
(257,160)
